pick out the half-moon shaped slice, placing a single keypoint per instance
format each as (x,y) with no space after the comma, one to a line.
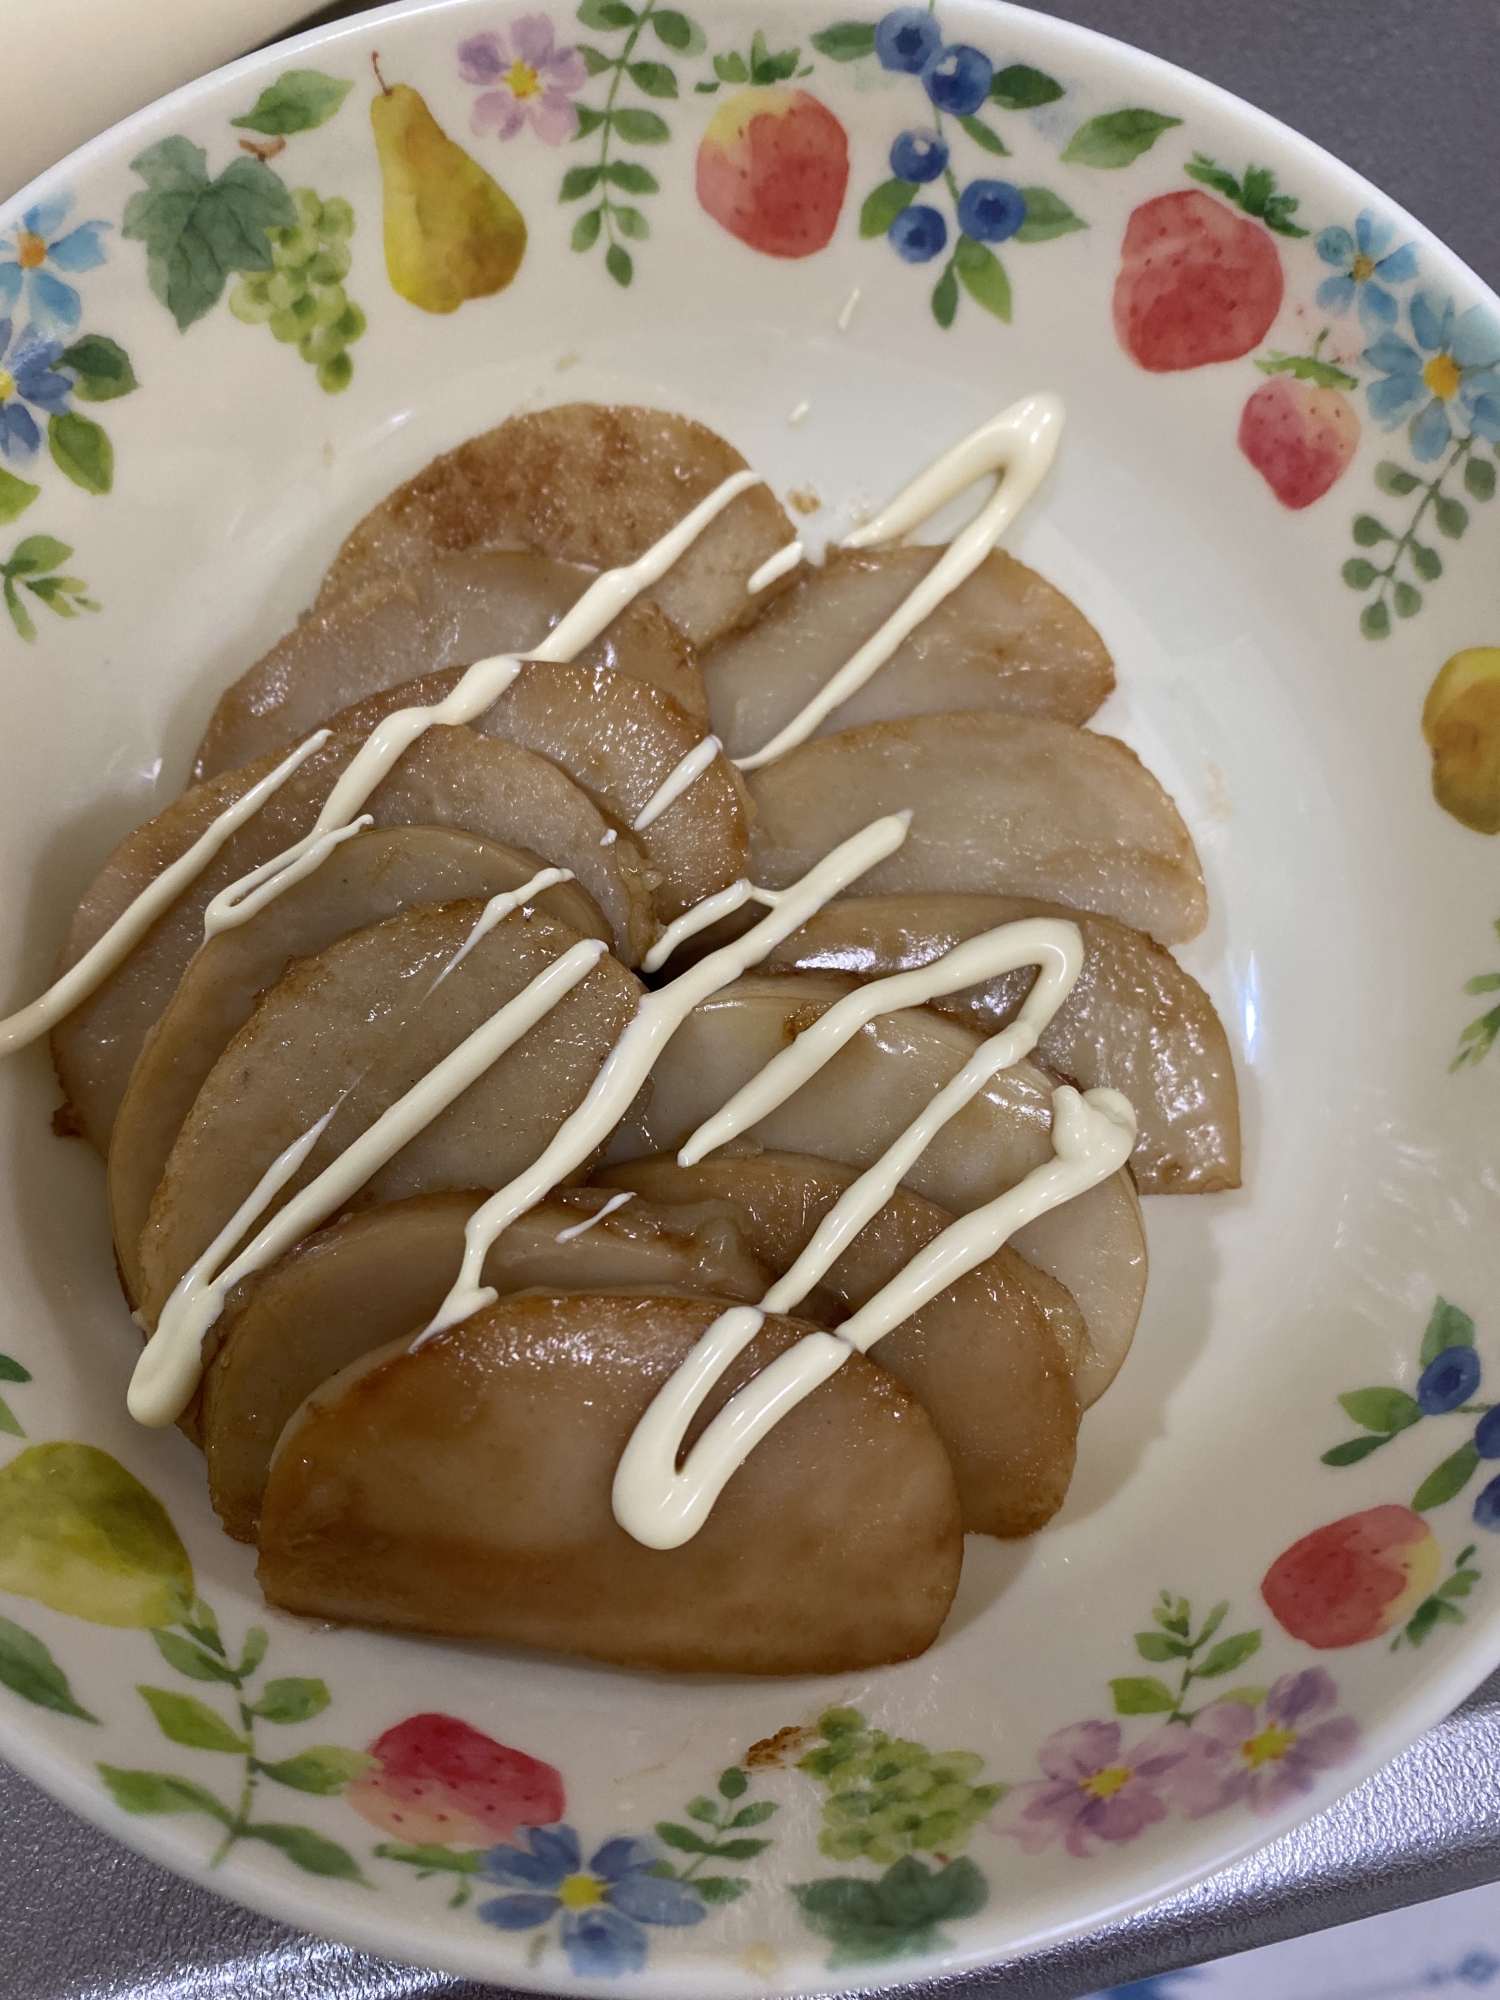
(856,1106)
(620,740)
(981,1357)
(372,1277)
(367,879)
(464,1489)
(444,612)
(352,1030)
(1005,804)
(1135,1021)
(1005,639)
(449,777)
(583,483)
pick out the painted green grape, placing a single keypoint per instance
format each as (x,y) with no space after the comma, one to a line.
(888,1797)
(302,297)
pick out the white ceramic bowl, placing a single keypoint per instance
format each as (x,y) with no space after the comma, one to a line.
(1349,910)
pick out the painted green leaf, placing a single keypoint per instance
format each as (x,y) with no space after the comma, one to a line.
(182,1718)
(731,69)
(579,181)
(10,1423)
(1446,1480)
(36,553)
(846,41)
(257,1639)
(1157,1646)
(676,31)
(768,66)
(297,101)
(986,136)
(1431,1612)
(197,231)
(1374,620)
(16,495)
(101,369)
(155,1792)
(755,1814)
(1407,600)
(1358,573)
(29,1670)
(630,222)
(1047,215)
(642,128)
(682,1838)
(12,1371)
(655,79)
(291,1700)
(1395,479)
(945,298)
(1249,1694)
(1452,516)
(1021,88)
(596,62)
(311,1851)
(1448,1326)
(630,176)
(456,1860)
(586,229)
(1479,478)
(589,120)
(1459,1584)
(1227,1655)
(1142,1695)
(1352,1450)
(983,277)
(721,1888)
(898,1915)
(1367,531)
(883,204)
(81,450)
(1425,561)
(325,1769)
(733,1784)
(703,1810)
(1214,1620)
(1382,1409)
(617,261)
(19,616)
(194,1661)
(77,1531)
(1117,138)
(606,15)
(740,1850)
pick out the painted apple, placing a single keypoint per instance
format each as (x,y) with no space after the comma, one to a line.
(436,1780)
(773,169)
(1461,721)
(1197,283)
(1299,436)
(1354,1579)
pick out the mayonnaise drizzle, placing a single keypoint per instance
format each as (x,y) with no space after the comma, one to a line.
(133,922)
(723,903)
(616,1201)
(682,774)
(170,1367)
(774,567)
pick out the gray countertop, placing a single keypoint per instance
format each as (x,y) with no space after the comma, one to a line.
(1405,91)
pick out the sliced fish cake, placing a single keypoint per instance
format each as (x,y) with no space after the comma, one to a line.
(1005,639)
(464,1488)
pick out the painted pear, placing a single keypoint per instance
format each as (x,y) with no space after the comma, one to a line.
(1461,721)
(451,233)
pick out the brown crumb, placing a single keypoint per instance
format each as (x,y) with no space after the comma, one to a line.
(805,499)
(66,1123)
(778,1749)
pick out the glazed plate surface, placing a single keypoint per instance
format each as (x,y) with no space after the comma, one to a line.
(1274,499)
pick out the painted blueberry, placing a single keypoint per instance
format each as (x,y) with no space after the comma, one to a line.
(918,234)
(989,211)
(1487,1507)
(907,39)
(958,79)
(919,156)
(1448,1380)
(1487,1434)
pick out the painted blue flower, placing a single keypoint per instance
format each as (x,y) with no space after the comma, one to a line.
(27,383)
(27,252)
(1364,266)
(1455,362)
(604,1906)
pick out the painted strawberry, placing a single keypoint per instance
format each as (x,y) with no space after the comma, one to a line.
(436,1780)
(1197,282)
(1354,1579)
(773,166)
(1299,430)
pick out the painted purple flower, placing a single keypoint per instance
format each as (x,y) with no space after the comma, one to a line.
(1096,1790)
(1274,1753)
(33,253)
(28,384)
(529,79)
